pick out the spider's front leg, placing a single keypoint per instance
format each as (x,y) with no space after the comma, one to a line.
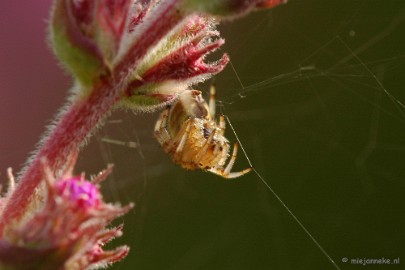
(222,124)
(226,173)
(211,103)
(160,131)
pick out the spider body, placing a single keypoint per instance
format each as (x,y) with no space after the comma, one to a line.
(188,132)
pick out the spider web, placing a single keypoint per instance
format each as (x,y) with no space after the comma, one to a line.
(321,117)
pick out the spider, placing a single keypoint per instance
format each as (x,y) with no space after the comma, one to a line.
(187,131)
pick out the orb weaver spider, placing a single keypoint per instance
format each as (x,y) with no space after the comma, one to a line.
(188,132)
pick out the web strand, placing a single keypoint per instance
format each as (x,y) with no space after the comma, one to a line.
(318,245)
(237,76)
(398,104)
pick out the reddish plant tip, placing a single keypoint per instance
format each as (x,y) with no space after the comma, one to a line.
(82,11)
(271,3)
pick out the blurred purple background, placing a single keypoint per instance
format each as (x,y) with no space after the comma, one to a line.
(28,73)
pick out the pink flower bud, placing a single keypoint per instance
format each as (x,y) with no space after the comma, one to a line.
(79,191)
(67,230)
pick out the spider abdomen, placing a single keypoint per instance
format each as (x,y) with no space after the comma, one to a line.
(187,131)
(200,151)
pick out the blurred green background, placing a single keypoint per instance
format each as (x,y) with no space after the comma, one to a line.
(307,96)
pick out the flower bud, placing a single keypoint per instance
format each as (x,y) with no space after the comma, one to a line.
(72,39)
(175,63)
(67,231)
(79,192)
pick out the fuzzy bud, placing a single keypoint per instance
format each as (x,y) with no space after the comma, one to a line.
(67,231)
(72,39)
(175,63)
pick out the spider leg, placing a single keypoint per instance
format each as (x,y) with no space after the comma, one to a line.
(211,104)
(216,149)
(226,173)
(161,122)
(235,174)
(224,156)
(228,167)
(203,149)
(160,131)
(184,137)
(222,124)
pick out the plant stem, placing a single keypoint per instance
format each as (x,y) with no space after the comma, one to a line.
(75,125)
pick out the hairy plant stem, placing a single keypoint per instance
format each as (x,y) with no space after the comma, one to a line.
(74,126)
(82,116)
